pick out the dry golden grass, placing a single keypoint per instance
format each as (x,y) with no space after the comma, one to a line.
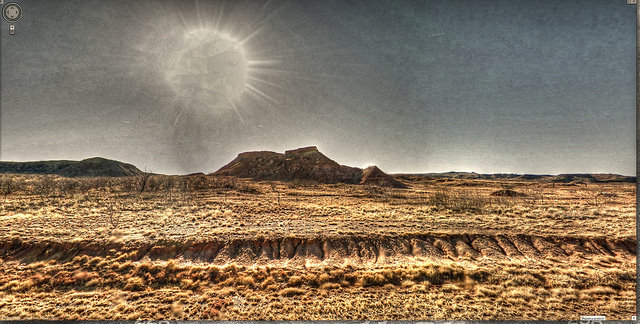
(102,249)
(443,289)
(227,209)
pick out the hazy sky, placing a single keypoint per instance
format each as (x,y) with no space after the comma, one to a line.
(412,86)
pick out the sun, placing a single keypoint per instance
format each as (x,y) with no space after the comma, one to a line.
(209,70)
(216,57)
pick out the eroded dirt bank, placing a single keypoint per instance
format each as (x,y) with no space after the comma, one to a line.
(356,249)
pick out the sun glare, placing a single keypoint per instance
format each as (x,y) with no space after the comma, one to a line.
(218,60)
(210,70)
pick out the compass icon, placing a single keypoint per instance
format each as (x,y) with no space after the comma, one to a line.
(12,12)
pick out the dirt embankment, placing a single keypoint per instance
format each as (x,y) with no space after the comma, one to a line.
(354,249)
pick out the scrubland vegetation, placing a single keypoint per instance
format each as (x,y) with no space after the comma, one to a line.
(203,247)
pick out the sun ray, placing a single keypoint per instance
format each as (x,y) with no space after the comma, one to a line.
(182,19)
(219,17)
(265,5)
(258,27)
(270,70)
(315,50)
(261,93)
(255,100)
(289,74)
(264,62)
(235,108)
(198,14)
(292,74)
(251,35)
(264,82)
(180,113)
(165,12)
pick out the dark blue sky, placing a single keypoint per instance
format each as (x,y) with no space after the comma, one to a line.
(412,86)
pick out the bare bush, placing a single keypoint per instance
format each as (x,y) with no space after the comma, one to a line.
(7,185)
(128,184)
(457,201)
(247,188)
(113,215)
(372,191)
(67,186)
(297,183)
(44,186)
(143,181)
(601,197)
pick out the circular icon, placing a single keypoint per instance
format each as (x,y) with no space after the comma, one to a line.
(12,12)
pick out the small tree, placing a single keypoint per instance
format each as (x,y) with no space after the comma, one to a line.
(145,179)
(114,217)
(274,188)
(8,186)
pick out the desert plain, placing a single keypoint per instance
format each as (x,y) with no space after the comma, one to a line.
(221,247)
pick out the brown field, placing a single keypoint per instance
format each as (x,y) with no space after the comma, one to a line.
(204,247)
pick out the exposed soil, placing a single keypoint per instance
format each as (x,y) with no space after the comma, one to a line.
(332,250)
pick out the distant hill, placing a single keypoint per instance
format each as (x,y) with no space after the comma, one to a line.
(93,167)
(306,164)
(559,178)
(373,175)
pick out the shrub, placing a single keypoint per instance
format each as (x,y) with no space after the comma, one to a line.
(289,292)
(246,281)
(456,201)
(295,281)
(373,279)
(508,193)
(330,285)
(245,188)
(134,284)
